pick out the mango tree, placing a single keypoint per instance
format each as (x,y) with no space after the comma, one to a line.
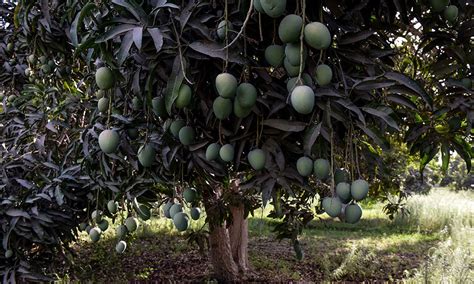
(235,104)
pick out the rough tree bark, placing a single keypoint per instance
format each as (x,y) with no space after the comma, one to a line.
(225,269)
(238,233)
(228,246)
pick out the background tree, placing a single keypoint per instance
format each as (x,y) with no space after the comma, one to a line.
(162,101)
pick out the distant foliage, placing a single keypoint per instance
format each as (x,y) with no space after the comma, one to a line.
(457,177)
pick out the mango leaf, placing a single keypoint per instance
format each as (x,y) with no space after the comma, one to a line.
(88,43)
(384,116)
(370,148)
(327,92)
(371,83)
(351,106)
(310,137)
(412,85)
(464,150)
(6,237)
(135,9)
(355,56)
(186,14)
(157,36)
(445,155)
(285,125)
(37,228)
(59,196)
(415,131)
(214,50)
(267,189)
(137,37)
(355,37)
(427,154)
(26,184)
(124,50)
(174,83)
(137,206)
(17,213)
(401,100)
(115,31)
(75,26)
(372,133)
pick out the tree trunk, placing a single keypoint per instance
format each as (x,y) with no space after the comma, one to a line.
(238,233)
(225,269)
(228,245)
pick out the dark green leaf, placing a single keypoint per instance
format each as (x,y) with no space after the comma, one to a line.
(310,137)
(186,14)
(401,100)
(372,133)
(369,85)
(124,50)
(285,125)
(137,37)
(174,83)
(464,150)
(445,155)
(267,189)
(157,36)
(427,154)
(412,85)
(387,118)
(355,37)
(214,50)
(26,184)
(351,106)
(135,9)
(75,26)
(17,213)
(115,31)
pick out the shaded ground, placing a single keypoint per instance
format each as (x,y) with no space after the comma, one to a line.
(374,249)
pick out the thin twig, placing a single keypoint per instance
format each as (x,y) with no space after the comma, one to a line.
(350,148)
(247,18)
(226,30)
(109,110)
(342,74)
(321,52)
(357,160)
(321,18)
(303,12)
(328,110)
(258,132)
(220,132)
(183,69)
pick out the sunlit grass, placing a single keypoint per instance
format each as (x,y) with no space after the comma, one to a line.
(452,261)
(438,211)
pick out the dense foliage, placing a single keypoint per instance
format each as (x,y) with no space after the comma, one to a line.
(397,73)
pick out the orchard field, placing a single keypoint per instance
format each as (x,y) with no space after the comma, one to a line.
(236,141)
(434,244)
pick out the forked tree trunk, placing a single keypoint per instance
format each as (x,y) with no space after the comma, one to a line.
(228,246)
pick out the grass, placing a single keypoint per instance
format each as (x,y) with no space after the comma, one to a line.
(433,244)
(439,210)
(452,261)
